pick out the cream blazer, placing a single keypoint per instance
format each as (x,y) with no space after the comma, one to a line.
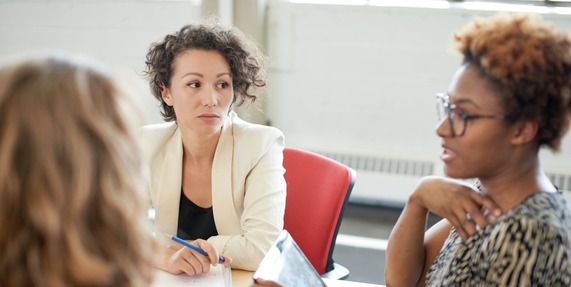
(248,186)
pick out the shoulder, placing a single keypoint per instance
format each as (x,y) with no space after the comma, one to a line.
(246,133)
(538,234)
(545,210)
(158,129)
(153,137)
(541,221)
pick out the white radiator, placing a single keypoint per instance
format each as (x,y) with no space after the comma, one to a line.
(383,180)
(389,181)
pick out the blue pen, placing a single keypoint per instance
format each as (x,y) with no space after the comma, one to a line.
(194,247)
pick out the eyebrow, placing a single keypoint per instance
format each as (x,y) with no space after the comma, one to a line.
(464,101)
(202,75)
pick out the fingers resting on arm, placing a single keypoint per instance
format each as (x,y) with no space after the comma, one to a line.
(459,202)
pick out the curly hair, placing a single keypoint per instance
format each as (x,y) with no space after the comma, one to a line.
(529,62)
(71,206)
(247,63)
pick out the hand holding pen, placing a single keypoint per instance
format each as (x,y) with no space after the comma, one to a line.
(193,260)
(194,247)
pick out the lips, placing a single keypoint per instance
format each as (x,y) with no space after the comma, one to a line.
(209,117)
(447,155)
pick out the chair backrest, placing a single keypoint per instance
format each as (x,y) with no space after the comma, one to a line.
(318,189)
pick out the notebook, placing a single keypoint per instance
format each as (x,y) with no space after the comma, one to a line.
(220,275)
(286,264)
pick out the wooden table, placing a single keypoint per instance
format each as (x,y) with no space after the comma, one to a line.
(241,278)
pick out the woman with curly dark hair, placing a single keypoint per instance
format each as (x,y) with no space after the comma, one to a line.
(215,180)
(510,97)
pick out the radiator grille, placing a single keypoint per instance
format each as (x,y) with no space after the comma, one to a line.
(383,165)
(562,181)
(414,168)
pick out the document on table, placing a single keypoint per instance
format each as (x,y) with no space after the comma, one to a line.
(220,275)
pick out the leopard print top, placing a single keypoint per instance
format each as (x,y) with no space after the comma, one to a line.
(530,245)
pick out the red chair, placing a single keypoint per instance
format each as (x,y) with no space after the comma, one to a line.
(318,189)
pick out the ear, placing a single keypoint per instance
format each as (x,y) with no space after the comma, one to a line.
(524,132)
(166,95)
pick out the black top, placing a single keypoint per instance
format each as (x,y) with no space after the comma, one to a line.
(194,222)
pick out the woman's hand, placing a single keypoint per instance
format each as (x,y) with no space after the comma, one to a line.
(460,203)
(181,259)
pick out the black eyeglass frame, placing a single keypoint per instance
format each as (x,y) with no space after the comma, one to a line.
(443,99)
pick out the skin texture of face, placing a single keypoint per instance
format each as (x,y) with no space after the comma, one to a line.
(200,91)
(485,148)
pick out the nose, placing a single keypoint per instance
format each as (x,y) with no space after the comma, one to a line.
(444,128)
(209,97)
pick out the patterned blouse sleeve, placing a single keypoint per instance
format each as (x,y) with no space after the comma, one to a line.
(529,252)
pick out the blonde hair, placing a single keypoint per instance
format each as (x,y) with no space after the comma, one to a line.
(71,212)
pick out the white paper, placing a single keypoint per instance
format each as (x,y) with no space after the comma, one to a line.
(219,275)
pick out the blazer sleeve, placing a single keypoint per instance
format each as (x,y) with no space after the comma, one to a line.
(264,191)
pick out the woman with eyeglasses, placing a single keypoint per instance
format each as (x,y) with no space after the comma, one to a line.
(510,97)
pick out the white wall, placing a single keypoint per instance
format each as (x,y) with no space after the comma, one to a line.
(361,80)
(115,32)
(352,79)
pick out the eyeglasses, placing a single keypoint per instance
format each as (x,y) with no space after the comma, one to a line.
(457,118)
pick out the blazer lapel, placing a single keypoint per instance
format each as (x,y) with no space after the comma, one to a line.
(170,183)
(225,215)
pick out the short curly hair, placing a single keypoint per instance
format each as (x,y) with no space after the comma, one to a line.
(246,61)
(529,62)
